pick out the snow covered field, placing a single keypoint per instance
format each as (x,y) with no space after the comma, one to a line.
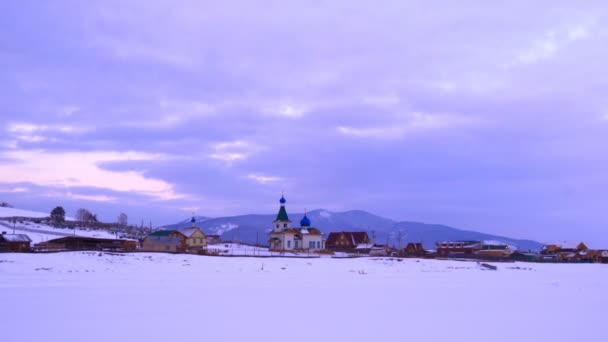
(6,212)
(40,232)
(161,297)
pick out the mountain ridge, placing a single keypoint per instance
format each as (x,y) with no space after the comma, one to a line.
(254,228)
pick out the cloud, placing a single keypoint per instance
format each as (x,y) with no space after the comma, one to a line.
(411,124)
(231,151)
(30,128)
(133,50)
(264,179)
(553,41)
(16,189)
(81,197)
(81,169)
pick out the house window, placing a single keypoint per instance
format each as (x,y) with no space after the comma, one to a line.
(289,244)
(277,225)
(311,244)
(318,244)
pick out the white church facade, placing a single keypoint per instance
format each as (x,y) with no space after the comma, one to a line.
(283,237)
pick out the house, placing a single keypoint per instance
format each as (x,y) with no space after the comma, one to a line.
(165,241)
(213,240)
(567,252)
(195,238)
(495,249)
(285,238)
(14,242)
(413,249)
(380,250)
(347,241)
(82,243)
(604,257)
(556,248)
(457,248)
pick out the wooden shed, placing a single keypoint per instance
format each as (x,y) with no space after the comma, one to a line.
(80,243)
(14,242)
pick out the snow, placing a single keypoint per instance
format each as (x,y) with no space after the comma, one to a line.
(325,214)
(233,249)
(12,212)
(223,228)
(163,297)
(16,237)
(41,233)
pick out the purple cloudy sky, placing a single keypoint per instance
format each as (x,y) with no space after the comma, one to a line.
(492,117)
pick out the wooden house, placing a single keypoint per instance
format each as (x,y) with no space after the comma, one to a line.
(195,239)
(604,257)
(165,241)
(346,241)
(380,250)
(413,249)
(15,243)
(565,252)
(457,248)
(494,249)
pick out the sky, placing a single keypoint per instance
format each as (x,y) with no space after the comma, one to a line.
(480,115)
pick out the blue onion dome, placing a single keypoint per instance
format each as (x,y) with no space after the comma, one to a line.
(282,200)
(305,222)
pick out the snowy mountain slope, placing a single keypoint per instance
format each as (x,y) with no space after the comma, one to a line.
(13,212)
(41,232)
(165,297)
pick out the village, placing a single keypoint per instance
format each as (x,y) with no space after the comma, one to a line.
(286,239)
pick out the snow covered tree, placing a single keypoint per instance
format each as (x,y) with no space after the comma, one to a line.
(58,215)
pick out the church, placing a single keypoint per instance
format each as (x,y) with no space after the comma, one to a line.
(285,238)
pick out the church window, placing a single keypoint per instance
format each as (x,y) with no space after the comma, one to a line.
(284,225)
(289,244)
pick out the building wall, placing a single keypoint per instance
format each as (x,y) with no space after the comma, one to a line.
(197,240)
(152,246)
(317,239)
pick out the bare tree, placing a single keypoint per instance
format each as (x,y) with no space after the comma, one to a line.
(123,220)
(83,215)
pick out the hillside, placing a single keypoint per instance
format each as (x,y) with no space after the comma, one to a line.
(252,228)
(6,212)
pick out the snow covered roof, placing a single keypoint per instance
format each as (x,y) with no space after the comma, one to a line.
(364,246)
(16,238)
(188,231)
(494,243)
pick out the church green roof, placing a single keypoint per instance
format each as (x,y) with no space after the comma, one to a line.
(282,215)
